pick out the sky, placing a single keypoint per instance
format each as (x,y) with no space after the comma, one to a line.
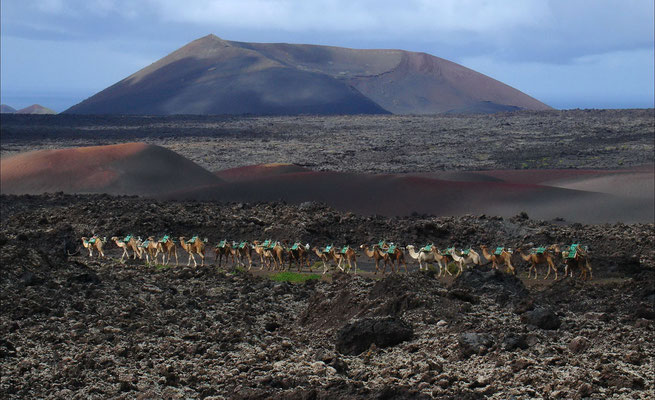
(566,53)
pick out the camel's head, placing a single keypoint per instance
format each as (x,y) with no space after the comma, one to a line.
(483,247)
(363,246)
(114,239)
(410,247)
(182,238)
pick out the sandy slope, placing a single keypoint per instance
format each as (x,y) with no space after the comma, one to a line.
(132,168)
(137,168)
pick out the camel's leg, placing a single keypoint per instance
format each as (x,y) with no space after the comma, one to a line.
(325,268)
(405,264)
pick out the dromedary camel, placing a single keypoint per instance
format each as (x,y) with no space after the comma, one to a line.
(457,259)
(122,245)
(265,252)
(536,257)
(167,247)
(466,257)
(425,255)
(385,256)
(94,243)
(375,255)
(129,242)
(224,249)
(575,256)
(151,248)
(298,253)
(322,256)
(345,253)
(195,245)
(503,256)
(243,252)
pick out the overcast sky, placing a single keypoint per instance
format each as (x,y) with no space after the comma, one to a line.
(566,53)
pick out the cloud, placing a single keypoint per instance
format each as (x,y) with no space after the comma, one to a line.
(607,80)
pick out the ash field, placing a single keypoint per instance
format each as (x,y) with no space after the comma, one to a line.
(79,327)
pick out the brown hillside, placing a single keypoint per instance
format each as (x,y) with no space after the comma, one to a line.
(215,76)
(132,168)
(35,109)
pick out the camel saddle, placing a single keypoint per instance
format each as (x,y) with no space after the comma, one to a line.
(344,249)
(242,245)
(127,238)
(193,239)
(328,249)
(221,244)
(446,252)
(538,250)
(295,246)
(145,243)
(382,244)
(392,249)
(427,248)
(499,251)
(92,240)
(573,250)
(466,252)
(268,244)
(164,239)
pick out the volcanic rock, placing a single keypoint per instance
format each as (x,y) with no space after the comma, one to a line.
(356,337)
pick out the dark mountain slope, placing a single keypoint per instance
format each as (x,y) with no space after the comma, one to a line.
(214,76)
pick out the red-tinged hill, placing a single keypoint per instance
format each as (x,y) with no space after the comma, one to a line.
(454,193)
(215,76)
(36,109)
(132,168)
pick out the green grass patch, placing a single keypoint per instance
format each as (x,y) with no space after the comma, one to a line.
(161,267)
(293,277)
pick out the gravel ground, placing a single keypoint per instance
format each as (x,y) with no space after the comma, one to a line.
(76,327)
(365,143)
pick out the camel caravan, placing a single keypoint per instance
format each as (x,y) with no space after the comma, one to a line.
(282,255)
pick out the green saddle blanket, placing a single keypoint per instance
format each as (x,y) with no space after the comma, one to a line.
(242,245)
(344,249)
(573,250)
(295,246)
(538,250)
(427,248)
(127,238)
(165,239)
(145,243)
(446,252)
(328,249)
(499,251)
(221,244)
(392,249)
(466,252)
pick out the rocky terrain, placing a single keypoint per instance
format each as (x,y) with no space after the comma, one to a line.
(74,327)
(363,143)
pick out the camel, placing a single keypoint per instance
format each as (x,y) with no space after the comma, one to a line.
(350,255)
(467,257)
(167,247)
(538,256)
(265,252)
(195,245)
(501,255)
(243,250)
(128,243)
(375,255)
(425,255)
(277,255)
(298,252)
(457,259)
(575,256)
(447,259)
(122,245)
(223,248)
(322,256)
(151,248)
(94,242)
(384,256)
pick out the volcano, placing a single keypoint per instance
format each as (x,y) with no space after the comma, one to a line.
(215,76)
